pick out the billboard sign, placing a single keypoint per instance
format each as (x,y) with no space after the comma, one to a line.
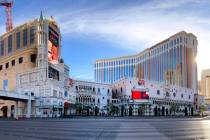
(53,46)
(137,94)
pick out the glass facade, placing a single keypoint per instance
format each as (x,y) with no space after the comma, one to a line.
(171,61)
(10,44)
(32,34)
(2,48)
(25,37)
(18,40)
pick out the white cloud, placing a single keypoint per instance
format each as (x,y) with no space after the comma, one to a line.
(139,27)
(168,4)
(87,77)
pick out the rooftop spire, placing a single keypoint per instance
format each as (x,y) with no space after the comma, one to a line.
(41,16)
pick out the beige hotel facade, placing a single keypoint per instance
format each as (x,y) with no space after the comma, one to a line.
(205,85)
(31,63)
(171,61)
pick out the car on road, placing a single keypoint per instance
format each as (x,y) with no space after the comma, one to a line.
(179,114)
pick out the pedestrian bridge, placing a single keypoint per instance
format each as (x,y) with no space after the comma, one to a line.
(7,95)
(16,109)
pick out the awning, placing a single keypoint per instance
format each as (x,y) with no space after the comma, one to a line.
(66,105)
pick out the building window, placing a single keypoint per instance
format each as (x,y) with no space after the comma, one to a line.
(53,73)
(20,60)
(10,44)
(99,101)
(174,94)
(25,37)
(108,101)
(33,58)
(0,67)
(108,91)
(32,34)
(167,94)
(93,89)
(18,40)
(98,89)
(2,48)
(7,65)
(158,92)
(65,94)
(13,62)
(182,95)
(189,97)
(60,94)
(5,85)
(54,93)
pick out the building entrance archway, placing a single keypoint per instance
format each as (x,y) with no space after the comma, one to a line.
(186,111)
(163,111)
(156,111)
(166,112)
(4,110)
(130,111)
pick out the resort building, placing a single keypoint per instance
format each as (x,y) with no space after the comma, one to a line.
(205,85)
(152,98)
(31,64)
(93,98)
(171,61)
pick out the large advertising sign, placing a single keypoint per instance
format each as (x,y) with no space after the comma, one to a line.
(53,46)
(136,95)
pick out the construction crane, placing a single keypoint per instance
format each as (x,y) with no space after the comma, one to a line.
(8,7)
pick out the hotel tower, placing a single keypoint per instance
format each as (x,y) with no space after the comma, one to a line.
(171,61)
(31,64)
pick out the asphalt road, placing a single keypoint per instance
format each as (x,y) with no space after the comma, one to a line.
(106,129)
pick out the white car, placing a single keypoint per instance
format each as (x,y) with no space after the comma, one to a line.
(180,114)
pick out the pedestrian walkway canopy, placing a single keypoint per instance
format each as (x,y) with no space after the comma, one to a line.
(6,95)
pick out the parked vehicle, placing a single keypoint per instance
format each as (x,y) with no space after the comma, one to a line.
(179,114)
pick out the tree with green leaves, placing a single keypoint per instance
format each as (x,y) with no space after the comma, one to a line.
(202,108)
(141,110)
(113,109)
(79,108)
(96,111)
(174,108)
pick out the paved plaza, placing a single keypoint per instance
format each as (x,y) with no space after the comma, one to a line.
(106,129)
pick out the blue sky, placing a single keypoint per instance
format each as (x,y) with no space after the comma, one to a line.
(93,29)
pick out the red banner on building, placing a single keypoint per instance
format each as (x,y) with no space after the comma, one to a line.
(136,94)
